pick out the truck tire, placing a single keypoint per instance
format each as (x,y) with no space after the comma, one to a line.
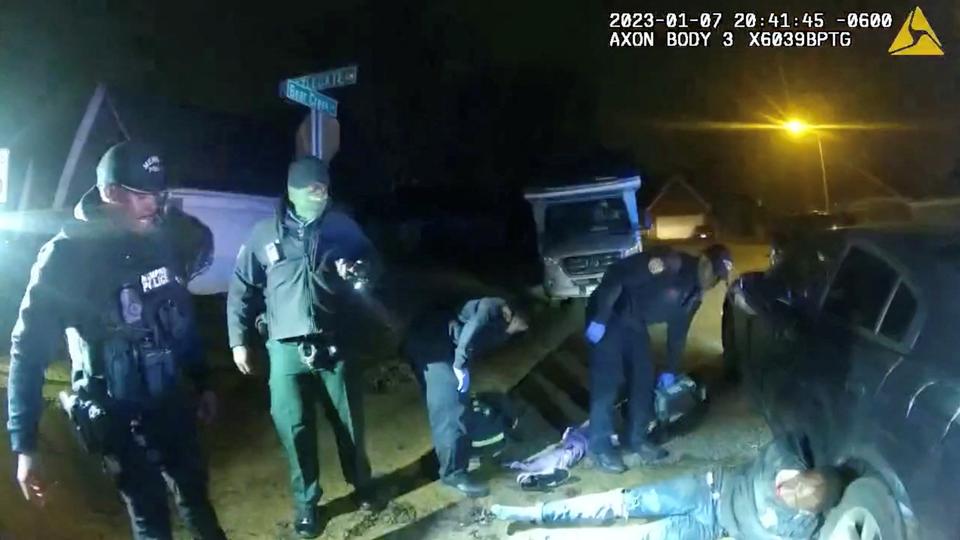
(867,511)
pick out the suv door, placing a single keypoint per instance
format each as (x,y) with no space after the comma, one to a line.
(869,318)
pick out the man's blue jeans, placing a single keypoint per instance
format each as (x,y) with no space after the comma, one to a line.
(684,508)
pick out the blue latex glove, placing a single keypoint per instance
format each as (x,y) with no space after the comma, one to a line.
(595,332)
(666,380)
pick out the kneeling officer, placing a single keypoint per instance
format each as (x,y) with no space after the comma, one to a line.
(115,281)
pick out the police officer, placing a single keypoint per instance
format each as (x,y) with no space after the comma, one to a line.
(299,272)
(660,285)
(441,346)
(114,281)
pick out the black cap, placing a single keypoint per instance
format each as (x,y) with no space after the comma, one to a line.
(720,259)
(134,165)
(306,171)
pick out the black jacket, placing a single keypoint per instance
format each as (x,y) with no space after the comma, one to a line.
(457,335)
(74,289)
(286,271)
(659,285)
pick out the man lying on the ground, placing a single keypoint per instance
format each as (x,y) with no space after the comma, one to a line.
(774,496)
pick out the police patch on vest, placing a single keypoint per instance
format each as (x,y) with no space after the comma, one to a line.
(131,309)
(655,265)
(155,278)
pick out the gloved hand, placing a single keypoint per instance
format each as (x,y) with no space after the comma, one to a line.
(666,380)
(595,332)
(463,380)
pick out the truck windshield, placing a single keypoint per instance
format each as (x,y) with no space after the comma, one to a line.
(566,220)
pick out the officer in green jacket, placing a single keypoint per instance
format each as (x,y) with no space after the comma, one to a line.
(298,273)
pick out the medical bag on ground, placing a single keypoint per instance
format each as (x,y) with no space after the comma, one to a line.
(683,401)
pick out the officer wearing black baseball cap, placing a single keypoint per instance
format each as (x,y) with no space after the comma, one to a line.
(131,184)
(655,286)
(114,281)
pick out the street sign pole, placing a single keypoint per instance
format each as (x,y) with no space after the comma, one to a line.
(316,133)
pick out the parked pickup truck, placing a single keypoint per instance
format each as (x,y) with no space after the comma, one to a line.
(584,228)
(850,340)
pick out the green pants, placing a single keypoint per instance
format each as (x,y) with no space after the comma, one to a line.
(294,390)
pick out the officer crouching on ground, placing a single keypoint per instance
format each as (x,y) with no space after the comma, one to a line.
(659,285)
(115,281)
(294,272)
(441,346)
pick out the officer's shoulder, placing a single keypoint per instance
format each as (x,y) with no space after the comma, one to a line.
(263,228)
(61,249)
(657,260)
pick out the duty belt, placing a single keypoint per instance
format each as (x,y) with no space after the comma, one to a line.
(317,351)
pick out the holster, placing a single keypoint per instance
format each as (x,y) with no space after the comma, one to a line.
(90,420)
(318,352)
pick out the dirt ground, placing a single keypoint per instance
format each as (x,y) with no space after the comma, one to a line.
(248,472)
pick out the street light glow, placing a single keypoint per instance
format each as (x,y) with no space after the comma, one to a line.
(796,126)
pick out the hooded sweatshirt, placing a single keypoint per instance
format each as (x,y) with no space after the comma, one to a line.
(73,290)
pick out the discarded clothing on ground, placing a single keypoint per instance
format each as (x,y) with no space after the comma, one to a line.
(541,470)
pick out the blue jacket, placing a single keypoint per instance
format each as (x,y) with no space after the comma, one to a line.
(655,286)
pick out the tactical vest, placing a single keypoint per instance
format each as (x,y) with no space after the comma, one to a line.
(132,350)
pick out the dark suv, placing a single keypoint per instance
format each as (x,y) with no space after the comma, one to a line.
(852,340)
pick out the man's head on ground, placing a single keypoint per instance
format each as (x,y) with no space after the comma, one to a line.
(715,266)
(132,182)
(308,183)
(517,321)
(812,490)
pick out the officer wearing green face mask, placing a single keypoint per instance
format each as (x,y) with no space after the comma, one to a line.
(293,274)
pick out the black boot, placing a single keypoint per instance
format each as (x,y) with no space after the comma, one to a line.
(462,482)
(647,452)
(307,524)
(609,461)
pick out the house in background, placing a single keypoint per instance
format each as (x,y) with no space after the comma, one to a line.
(677,210)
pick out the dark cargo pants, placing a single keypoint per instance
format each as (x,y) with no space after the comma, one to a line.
(430,351)
(162,452)
(622,356)
(294,391)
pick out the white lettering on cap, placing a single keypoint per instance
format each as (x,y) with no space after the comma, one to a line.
(153,164)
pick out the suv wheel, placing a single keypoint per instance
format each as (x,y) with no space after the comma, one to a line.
(867,511)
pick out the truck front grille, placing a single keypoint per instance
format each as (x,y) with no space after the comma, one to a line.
(589,264)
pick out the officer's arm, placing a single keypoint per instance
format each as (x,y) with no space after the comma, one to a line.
(677,331)
(487,310)
(358,247)
(245,295)
(628,272)
(37,333)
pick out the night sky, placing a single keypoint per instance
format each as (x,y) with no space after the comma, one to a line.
(486,95)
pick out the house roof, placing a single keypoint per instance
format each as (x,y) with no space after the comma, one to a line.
(678,193)
(203,149)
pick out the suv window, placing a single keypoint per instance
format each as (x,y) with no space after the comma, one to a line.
(860,290)
(900,314)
